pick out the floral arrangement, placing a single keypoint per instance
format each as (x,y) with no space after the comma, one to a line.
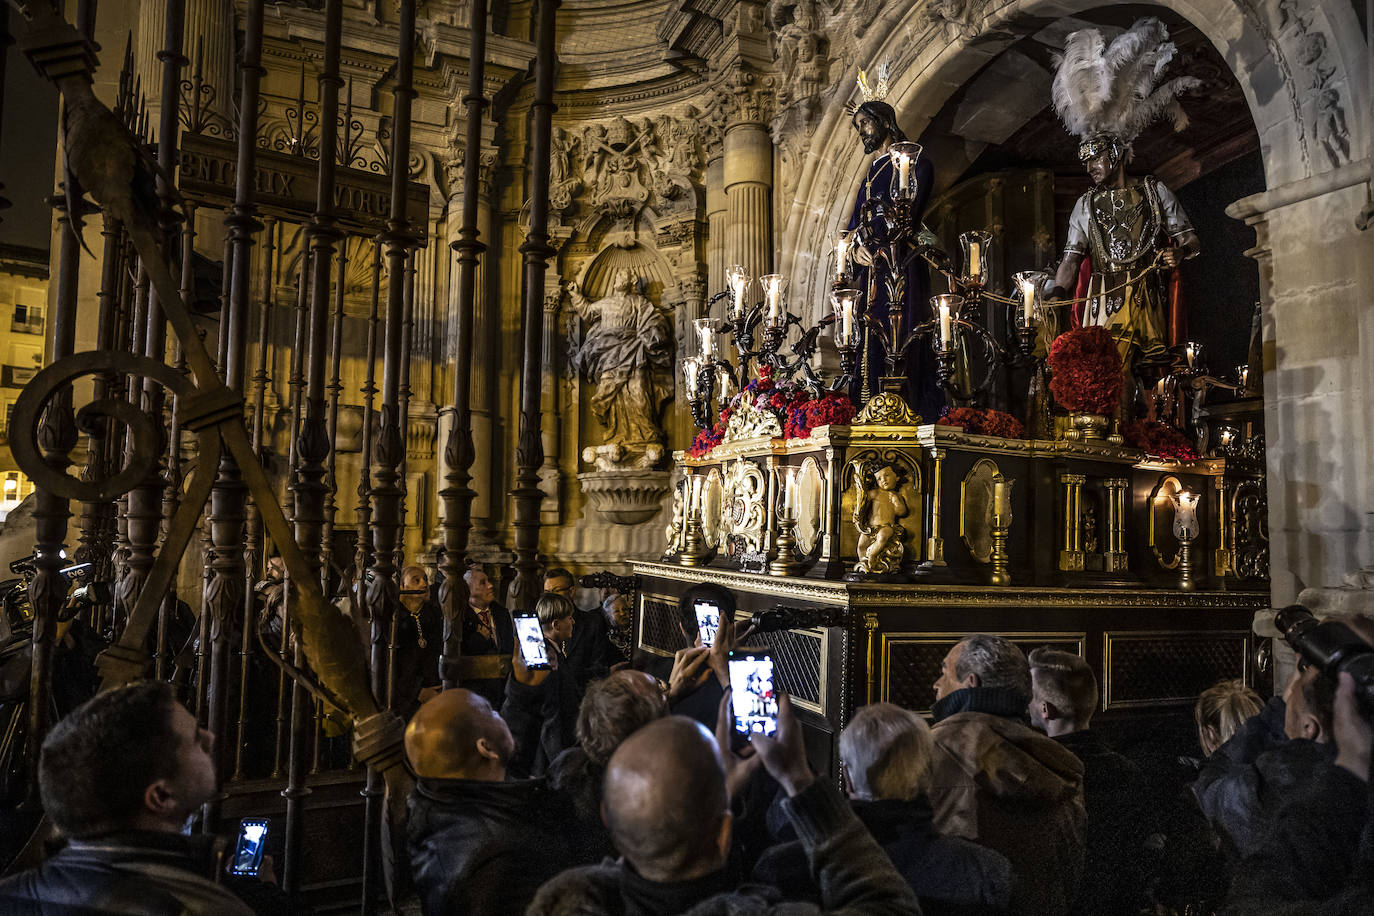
(797,411)
(1155,438)
(983,422)
(1086,371)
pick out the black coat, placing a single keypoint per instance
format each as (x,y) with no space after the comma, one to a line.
(543,719)
(1119,820)
(1248,779)
(589,650)
(483,847)
(1317,859)
(853,875)
(949,874)
(140,872)
(573,776)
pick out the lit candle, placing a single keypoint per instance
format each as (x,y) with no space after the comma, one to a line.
(903,171)
(1228,435)
(842,301)
(1243,376)
(975,261)
(946,323)
(773,286)
(842,256)
(707,336)
(789,492)
(690,375)
(1028,301)
(737,280)
(1193,351)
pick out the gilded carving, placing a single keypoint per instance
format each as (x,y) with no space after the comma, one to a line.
(744,512)
(879,508)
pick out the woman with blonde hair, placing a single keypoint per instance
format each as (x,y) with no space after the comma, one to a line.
(1221,710)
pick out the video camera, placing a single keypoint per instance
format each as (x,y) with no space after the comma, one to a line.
(1331,647)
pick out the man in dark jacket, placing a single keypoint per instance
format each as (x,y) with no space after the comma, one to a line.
(613,708)
(478,843)
(998,782)
(1064,698)
(886,754)
(1244,784)
(670,817)
(119,776)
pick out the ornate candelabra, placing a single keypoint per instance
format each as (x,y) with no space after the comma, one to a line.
(707,371)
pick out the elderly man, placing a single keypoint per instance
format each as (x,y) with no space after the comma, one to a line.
(119,777)
(669,814)
(1000,783)
(1064,698)
(886,753)
(488,632)
(478,842)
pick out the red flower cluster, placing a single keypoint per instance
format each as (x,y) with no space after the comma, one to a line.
(797,412)
(806,415)
(1087,371)
(1155,438)
(984,422)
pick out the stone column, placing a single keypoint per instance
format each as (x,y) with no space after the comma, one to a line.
(485,329)
(1316,285)
(748,179)
(716,220)
(209,31)
(550,511)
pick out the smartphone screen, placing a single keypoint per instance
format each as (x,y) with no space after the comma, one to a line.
(708,621)
(248,850)
(752,693)
(531,636)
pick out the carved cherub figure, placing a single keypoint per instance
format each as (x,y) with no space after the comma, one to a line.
(678,525)
(878,514)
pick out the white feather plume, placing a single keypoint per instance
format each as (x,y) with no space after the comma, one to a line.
(1100,88)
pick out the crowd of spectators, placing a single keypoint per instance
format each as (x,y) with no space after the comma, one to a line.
(602,783)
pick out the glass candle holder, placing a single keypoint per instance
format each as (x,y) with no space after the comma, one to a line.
(1030,285)
(1192,351)
(788,492)
(1243,378)
(691,377)
(774,300)
(1185,514)
(946,308)
(976,245)
(1001,500)
(903,156)
(737,280)
(845,302)
(842,255)
(706,339)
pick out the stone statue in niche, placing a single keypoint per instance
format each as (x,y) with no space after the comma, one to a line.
(878,514)
(627,354)
(564,184)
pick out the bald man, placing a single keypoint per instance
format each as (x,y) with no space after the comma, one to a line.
(668,810)
(478,842)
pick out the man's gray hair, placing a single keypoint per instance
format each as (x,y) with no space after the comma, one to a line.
(886,750)
(996,661)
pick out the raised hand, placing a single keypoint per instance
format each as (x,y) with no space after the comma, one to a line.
(784,755)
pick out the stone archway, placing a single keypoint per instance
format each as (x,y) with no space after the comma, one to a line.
(1305,69)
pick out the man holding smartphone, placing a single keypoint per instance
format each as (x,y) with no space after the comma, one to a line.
(119,776)
(670,818)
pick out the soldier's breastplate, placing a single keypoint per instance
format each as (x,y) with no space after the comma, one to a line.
(1123,226)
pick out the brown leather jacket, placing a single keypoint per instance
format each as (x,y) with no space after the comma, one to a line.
(1008,787)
